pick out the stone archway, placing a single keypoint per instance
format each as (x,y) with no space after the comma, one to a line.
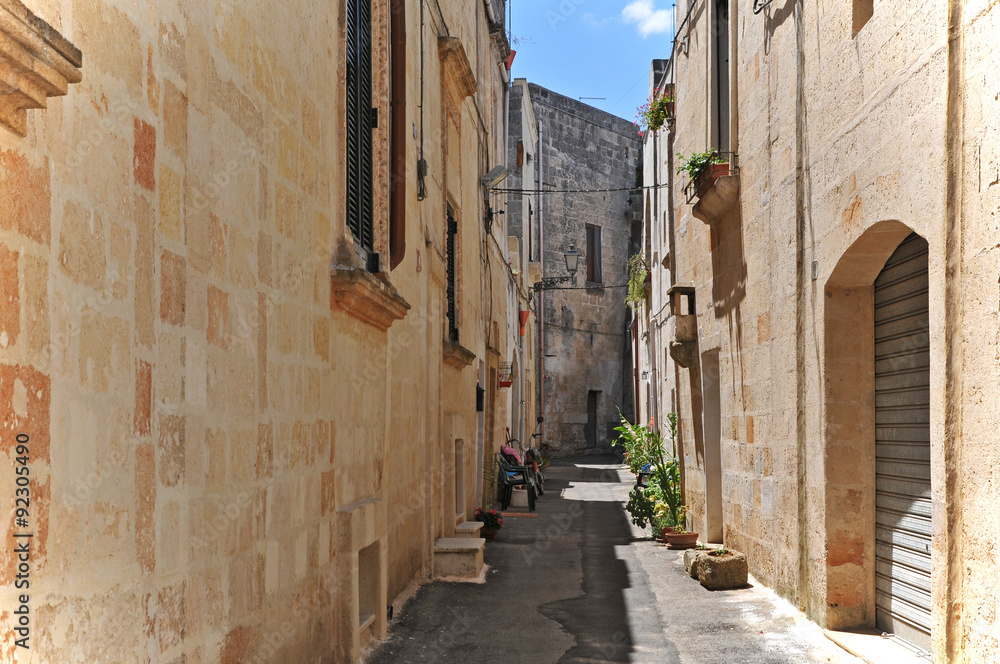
(849,426)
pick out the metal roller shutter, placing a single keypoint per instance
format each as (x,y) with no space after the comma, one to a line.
(902,446)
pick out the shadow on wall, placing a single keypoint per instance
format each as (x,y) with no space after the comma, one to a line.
(729,283)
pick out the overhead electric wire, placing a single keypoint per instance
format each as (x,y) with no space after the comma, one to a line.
(577,191)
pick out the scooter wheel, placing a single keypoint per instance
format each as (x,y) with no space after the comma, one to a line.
(531,497)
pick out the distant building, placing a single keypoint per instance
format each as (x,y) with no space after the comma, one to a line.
(558,144)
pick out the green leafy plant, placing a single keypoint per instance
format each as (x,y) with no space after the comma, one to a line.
(644,446)
(640,506)
(637,269)
(652,115)
(695,164)
(719,552)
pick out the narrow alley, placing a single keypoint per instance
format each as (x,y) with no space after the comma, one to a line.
(579,583)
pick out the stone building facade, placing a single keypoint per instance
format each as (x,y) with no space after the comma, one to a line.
(251,411)
(560,144)
(835,372)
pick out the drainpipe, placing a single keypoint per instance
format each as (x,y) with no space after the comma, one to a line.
(800,314)
(954,622)
(541,293)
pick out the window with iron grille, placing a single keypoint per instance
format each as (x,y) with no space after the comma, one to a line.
(594,273)
(452,285)
(359,123)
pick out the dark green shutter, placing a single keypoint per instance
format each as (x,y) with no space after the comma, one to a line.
(452,319)
(359,124)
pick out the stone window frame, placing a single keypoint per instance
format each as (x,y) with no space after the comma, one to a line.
(36,62)
(359,286)
(595,258)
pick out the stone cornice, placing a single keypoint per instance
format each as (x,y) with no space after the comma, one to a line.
(36,62)
(457,69)
(363,296)
(458,356)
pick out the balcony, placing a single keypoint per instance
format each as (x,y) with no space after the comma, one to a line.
(716,188)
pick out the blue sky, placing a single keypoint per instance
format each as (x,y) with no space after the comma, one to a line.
(592,48)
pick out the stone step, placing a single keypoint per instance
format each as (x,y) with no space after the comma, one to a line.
(468,529)
(460,557)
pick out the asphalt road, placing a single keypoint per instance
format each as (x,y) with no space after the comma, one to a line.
(580,584)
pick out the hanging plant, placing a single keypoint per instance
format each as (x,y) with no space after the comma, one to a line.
(652,115)
(637,271)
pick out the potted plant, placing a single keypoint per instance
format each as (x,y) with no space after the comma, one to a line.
(663,522)
(681,538)
(645,447)
(703,169)
(492,522)
(652,115)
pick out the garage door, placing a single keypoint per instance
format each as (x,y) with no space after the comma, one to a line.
(902,446)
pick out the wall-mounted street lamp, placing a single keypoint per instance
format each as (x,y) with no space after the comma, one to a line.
(572,256)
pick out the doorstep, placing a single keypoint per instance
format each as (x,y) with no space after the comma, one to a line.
(458,557)
(468,529)
(874,648)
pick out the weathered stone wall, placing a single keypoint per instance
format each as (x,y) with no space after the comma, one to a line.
(848,140)
(585,342)
(223,468)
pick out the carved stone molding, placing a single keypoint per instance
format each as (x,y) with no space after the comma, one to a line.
(457,69)
(365,297)
(36,62)
(718,199)
(458,356)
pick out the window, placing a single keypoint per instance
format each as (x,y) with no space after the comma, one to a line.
(863,10)
(594,274)
(722,75)
(452,286)
(359,123)
(531,234)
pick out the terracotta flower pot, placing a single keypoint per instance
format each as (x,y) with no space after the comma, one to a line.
(708,177)
(681,540)
(488,533)
(666,531)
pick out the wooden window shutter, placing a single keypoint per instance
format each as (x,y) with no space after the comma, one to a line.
(452,285)
(359,123)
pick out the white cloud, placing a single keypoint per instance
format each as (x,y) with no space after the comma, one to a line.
(651,21)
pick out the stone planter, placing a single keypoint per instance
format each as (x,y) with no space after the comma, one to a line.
(682,540)
(721,572)
(692,561)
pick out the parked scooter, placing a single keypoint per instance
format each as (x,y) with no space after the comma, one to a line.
(531,459)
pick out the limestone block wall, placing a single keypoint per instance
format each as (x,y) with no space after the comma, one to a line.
(849,138)
(225,468)
(586,346)
(977,309)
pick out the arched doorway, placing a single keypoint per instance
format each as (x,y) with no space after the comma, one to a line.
(877,435)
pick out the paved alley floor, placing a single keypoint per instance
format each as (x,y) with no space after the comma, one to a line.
(581,584)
